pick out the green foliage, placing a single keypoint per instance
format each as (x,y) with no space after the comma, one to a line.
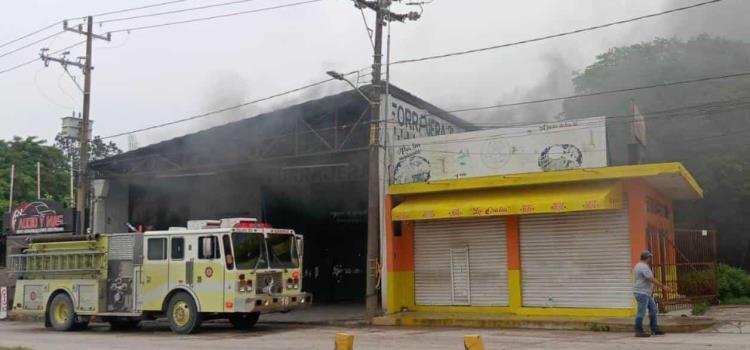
(699,309)
(55,167)
(736,301)
(703,125)
(734,283)
(696,283)
(25,153)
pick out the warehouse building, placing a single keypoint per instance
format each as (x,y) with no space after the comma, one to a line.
(303,167)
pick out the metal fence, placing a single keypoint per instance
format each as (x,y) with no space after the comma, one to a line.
(686,262)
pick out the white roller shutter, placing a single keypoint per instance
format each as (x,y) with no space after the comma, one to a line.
(576,260)
(438,255)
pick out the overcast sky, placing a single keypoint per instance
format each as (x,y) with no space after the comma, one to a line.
(157,75)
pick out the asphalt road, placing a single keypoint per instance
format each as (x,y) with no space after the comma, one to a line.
(288,336)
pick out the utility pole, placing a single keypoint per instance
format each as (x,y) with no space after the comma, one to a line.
(38,180)
(84,63)
(382,15)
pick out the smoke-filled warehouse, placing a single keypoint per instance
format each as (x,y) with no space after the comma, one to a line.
(303,167)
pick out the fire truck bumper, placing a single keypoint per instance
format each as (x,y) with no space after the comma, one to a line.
(273,303)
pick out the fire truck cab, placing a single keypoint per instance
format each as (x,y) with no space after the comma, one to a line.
(231,268)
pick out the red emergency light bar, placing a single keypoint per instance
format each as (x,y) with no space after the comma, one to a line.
(251,224)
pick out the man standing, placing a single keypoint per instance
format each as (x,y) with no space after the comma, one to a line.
(643,292)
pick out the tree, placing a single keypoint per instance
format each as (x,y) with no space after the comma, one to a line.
(704,125)
(98,149)
(25,153)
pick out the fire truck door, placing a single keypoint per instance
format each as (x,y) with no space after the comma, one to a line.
(177,265)
(208,275)
(155,275)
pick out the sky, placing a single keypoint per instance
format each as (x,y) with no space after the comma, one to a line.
(158,75)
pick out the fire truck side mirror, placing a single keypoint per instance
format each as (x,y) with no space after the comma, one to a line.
(300,245)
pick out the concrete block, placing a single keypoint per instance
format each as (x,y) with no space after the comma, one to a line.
(344,342)
(473,342)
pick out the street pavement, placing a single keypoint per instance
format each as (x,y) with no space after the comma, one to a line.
(278,336)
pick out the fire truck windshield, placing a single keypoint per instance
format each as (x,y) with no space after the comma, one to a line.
(282,251)
(249,252)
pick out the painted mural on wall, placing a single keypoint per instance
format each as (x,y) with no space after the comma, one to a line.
(555,146)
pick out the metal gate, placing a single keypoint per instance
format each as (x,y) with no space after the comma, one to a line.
(461,262)
(687,263)
(576,260)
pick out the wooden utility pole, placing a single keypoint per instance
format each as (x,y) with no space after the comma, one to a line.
(38,180)
(12,179)
(382,16)
(85,66)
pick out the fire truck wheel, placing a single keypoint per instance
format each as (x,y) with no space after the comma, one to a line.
(183,314)
(61,314)
(244,321)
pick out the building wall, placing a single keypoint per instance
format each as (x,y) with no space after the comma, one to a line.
(400,260)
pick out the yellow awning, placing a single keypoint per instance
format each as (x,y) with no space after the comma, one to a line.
(511,201)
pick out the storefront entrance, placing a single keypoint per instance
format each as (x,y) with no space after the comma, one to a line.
(461,262)
(576,260)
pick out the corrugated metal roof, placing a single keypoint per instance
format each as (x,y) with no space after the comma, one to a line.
(311,106)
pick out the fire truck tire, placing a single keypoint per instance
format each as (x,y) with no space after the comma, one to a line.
(244,321)
(61,313)
(183,314)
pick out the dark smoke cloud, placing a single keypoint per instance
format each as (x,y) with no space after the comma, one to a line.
(556,82)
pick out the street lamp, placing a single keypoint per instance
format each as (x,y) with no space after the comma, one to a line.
(339,76)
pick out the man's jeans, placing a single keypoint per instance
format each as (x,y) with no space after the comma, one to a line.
(645,302)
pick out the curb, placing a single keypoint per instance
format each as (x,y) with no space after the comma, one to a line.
(596,325)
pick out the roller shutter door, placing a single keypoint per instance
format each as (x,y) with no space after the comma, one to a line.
(576,260)
(448,252)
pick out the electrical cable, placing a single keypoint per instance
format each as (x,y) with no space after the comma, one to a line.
(738,103)
(26,63)
(203,115)
(173,11)
(136,8)
(29,34)
(598,93)
(31,44)
(231,14)
(551,36)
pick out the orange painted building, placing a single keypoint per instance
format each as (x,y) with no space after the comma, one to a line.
(557,243)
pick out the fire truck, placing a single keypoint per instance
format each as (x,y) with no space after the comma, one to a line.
(236,269)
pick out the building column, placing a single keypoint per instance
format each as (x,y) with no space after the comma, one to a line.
(513,242)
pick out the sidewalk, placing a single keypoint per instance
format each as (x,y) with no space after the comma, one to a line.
(669,323)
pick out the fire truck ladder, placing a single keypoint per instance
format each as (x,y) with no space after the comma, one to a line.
(57,262)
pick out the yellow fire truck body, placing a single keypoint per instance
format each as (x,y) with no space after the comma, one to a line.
(233,268)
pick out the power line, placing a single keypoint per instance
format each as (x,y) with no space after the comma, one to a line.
(173,11)
(231,14)
(203,115)
(31,44)
(30,34)
(598,93)
(737,104)
(26,63)
(100,14)
(558,35)
(136,8)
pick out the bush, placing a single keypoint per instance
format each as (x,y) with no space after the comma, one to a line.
(696,283)
(699,309)
(734,283)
